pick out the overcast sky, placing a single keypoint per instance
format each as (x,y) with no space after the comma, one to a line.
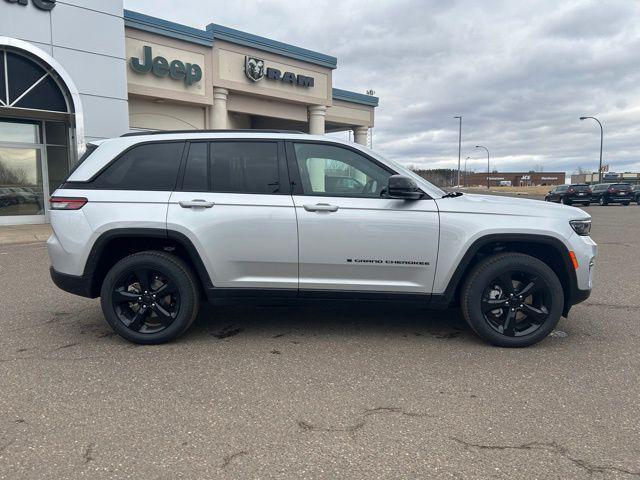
(521,73)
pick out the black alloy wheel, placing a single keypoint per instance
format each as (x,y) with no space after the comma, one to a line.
(146,300)
(512,299)
(150,297)
(602,202)
(516,303)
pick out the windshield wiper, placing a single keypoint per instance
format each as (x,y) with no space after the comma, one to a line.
(452,194)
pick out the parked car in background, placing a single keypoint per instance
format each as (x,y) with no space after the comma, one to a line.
(606,193)
(636,194)
(570,194)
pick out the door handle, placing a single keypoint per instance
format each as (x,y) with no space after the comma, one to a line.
(196,204)
(321,207)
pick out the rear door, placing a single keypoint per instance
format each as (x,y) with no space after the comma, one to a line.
(234,204)
(351,238)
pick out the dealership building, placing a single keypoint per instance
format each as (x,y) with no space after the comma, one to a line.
(73,71)
(516,179)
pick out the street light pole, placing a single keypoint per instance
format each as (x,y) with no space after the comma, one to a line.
(465,170)
(459,147)
(488,168)
(601,142)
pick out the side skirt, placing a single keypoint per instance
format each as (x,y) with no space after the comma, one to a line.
(235,296)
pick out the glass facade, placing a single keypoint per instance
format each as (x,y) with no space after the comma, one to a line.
(34,137)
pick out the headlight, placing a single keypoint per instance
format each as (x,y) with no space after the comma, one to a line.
(581,227)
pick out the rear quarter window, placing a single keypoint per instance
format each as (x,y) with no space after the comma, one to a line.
(151,166)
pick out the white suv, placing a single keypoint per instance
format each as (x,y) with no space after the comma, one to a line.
(152,223)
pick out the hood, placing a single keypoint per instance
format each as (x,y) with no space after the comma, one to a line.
(499,205)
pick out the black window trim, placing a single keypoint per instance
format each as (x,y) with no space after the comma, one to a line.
(283,174)
(296,181)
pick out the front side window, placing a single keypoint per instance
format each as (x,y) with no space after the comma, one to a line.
(335,171)
(151,166)
(244,167)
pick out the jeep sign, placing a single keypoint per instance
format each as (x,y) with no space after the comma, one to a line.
(189,73)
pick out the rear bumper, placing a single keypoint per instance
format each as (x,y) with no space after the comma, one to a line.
(71,283)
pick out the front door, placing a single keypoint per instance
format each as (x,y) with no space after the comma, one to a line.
(235,206)
(350,237)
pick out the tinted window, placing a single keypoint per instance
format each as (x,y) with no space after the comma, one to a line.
(562,188)
(195,174)
(580,188)
(151,166)
(244,167)
(336,171)
(622,186)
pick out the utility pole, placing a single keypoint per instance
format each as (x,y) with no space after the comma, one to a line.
(601,142)
(459,147)
(488,168)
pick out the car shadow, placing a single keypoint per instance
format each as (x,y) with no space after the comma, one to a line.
(339,318)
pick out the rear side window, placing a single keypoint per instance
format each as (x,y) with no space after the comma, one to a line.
(196,177)
(152,166)
(244,167)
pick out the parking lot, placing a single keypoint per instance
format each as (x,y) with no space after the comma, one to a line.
(321,392)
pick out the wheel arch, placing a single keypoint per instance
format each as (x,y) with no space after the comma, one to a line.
(116,244)
(546,248)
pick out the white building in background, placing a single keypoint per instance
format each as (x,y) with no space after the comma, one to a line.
(80,70)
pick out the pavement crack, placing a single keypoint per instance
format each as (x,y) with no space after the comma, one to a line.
(231,457)
(87,454)
(351,429)
(551,447)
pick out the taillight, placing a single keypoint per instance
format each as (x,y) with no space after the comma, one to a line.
(612,190)
(571,190)
(67,203)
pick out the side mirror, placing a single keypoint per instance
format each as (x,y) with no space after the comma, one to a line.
(403,188)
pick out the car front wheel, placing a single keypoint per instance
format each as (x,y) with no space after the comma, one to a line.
(512,300)
(150,297)
(602,202)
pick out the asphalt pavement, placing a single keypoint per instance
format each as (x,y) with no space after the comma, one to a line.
(325,392)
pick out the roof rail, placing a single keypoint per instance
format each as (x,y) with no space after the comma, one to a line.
(246,130)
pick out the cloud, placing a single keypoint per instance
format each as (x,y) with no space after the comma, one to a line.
(521,73)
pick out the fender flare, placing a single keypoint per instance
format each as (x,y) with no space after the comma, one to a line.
(157,233)
(571,293)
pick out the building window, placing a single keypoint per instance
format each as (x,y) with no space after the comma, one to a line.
(24,83)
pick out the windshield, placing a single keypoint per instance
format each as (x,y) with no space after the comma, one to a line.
(432,190)
(621,186)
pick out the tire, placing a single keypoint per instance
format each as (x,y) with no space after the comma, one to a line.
(626,204)
(163,319)
(587,204)
(546,199)
(566,201)
(485,288)
(602,202)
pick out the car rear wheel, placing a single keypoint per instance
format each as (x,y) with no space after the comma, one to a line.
(512,300)
(587,204)
(626,204)
(566,201)
(602,202)
(150,297)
